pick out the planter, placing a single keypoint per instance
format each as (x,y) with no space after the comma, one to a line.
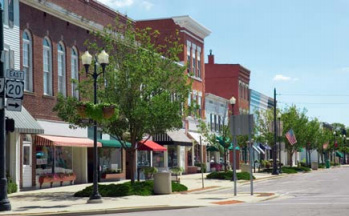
(57,178)
(112,176)
(108,111)
(82,110)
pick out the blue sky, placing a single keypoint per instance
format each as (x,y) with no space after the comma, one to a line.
(300,47)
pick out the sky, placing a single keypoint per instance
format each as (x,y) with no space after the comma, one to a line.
(299,47)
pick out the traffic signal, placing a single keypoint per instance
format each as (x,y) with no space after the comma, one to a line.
(10,125)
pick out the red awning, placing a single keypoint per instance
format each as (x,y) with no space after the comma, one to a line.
(45,140)
(150,146)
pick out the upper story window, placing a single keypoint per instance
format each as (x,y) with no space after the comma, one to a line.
(74,72)
(199,61)
(8,16)
(61,68)
(27,62)
(194,61)
(189,56)
(47,66)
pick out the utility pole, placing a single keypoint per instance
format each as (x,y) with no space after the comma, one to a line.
(275,168)
(4,202)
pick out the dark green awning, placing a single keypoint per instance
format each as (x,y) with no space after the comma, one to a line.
(112,143)
(339,154)
(211,148)
(231,147)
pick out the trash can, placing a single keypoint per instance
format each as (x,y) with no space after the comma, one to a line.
(314,165)
(328,164)
(162,183)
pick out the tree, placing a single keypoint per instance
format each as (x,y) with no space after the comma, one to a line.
(312,133)
(142,79)
(295,119)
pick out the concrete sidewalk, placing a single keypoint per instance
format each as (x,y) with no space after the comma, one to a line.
(60,200)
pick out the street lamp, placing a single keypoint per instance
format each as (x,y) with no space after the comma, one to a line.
(275,169)
(344,139)
(232,101)
(279,118)
(103,60)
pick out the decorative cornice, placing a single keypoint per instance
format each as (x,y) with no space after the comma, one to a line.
(192,25)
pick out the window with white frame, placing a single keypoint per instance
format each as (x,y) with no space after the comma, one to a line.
(194,60)
(199,103)
(215,123)
(27,62)
(11,13)
(47,65)
(189,55)
(61,69)
(199,61)
(211,121)
(74,72)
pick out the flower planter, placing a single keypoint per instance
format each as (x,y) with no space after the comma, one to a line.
(82,110)
(112,176)
(51,178)
(108,111)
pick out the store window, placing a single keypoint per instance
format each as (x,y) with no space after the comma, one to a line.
(110,160)
(158,159)
(63,159)
(44,159)
(172,156)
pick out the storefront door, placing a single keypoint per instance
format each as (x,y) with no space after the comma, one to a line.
(27,164)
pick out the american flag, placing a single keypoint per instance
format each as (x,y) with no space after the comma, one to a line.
(291,137)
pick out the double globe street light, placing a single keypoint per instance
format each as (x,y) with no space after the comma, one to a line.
(103,60)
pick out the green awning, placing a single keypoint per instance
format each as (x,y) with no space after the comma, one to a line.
(231,147)
(211,148)
(339,154)
(112,143)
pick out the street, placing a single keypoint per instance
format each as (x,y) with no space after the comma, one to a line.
(324,192)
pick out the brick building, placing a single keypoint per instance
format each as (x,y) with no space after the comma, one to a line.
(192,35)
(52,36)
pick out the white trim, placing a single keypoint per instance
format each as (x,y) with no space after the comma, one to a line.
(192,25)
(191,35)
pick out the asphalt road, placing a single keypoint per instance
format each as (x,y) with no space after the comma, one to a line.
(324,192)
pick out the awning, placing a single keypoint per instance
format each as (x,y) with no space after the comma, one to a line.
(113,143)
(257,150)
(196,137)
(211,148)
(264,147)
(150,146)
(175,137)
(231,147)
(44,140)
(261,150)
(339,154)
(24,122)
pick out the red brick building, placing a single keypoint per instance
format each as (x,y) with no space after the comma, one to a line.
(228,80)
(192,36)
(52,36)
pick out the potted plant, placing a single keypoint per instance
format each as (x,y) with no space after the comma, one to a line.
(149,172)
(108,110)
(81,108)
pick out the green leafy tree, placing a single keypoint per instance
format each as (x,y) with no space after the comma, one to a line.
(142,79)
(312,133)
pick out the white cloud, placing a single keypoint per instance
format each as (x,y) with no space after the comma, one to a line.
(147,5)
(280,77)
(117,3)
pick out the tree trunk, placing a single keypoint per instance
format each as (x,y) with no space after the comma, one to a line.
(290,157)
(132,163)
(225,160)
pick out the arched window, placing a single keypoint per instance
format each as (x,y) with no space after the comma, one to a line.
(61,69)
(74,72)
(27,62)
(47,65)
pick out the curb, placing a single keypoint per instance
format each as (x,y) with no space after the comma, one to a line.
(107,211)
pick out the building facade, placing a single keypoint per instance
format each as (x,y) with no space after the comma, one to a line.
(192,35)
(51,37)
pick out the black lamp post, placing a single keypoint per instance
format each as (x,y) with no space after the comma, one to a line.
(232,101)
(280,133)
(4,202)
(103,60)
(275,169)
(344,140)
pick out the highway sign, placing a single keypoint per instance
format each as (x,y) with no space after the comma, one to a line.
(14,105)
(14,89)
(14,74)
(2,84)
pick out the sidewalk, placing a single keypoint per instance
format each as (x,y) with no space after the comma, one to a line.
(60,200)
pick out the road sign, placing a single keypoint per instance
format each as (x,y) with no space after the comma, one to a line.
(14,89)
(2,84)
(14,105)
(14,74)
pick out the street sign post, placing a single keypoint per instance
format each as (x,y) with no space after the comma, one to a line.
(14,89)
(14,74)
(2,84)
(14,105)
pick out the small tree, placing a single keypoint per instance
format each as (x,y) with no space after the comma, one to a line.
(142,79)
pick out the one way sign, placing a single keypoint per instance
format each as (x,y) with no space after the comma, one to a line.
(14,105)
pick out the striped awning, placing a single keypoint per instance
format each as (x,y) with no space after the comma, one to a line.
(174,137)
(45,140)
(24,122)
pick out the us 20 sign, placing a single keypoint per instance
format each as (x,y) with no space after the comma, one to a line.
(14,89)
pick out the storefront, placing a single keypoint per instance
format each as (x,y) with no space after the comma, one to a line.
(178,145)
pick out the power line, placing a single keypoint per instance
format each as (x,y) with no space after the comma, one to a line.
(313,103)
(316,95)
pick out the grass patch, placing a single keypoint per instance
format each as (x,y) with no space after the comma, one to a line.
(290,170)
(144,188)
(229,175)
